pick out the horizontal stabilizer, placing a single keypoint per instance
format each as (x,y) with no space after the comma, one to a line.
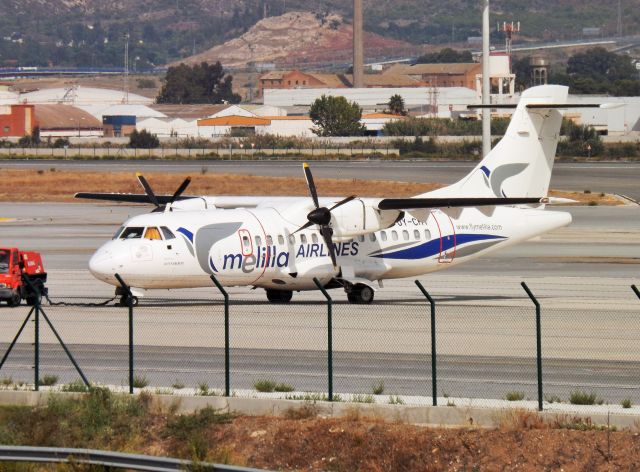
(417,203)
(128,197)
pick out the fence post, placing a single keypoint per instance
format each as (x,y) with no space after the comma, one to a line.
(129,299)
(635,290)
(36,349)
(227,374)
(538,342)
(434,355)
(329,337)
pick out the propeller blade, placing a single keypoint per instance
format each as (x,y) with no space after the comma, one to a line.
(311,184)
(180,190)
(342,202)
(147,189)
(327,234)
(306,225)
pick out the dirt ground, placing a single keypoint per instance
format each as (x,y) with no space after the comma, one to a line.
(57,185)
(523,443)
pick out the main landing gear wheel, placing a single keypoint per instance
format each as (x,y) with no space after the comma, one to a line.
(360,294)
(279,296)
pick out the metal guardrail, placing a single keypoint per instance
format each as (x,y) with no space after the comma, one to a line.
(108,459)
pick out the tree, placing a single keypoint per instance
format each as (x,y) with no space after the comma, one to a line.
(445,56)
(396,105)
(143,140)
(335,116)
(200,83)
(601,66)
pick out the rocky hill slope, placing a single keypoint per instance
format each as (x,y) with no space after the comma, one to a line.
(298,38)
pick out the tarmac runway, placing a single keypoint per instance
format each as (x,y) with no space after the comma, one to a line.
(486,340)
(609,177)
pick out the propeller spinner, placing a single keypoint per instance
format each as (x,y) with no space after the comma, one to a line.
(321,216)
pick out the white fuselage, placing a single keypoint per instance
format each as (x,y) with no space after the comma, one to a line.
(256,247)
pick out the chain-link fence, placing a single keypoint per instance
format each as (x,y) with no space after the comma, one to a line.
(314,347)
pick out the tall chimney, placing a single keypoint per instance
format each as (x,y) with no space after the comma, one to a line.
(358,48)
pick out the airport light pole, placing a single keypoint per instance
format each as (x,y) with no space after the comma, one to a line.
(486,81)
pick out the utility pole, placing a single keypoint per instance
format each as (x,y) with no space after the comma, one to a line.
(125,98)
(619,18)
(358,47)
(486,82)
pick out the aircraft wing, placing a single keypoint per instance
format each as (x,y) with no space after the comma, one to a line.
(128,197)
(465,202)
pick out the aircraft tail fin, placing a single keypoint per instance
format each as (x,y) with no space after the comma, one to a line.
(520,164)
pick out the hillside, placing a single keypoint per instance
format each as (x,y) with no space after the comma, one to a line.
(297,38)
(91,32)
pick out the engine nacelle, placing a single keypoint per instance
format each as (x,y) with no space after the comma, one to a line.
(357,218)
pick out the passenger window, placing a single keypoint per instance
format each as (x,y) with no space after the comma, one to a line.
(361,238)
(166,232)
(246,243)
(303,238)
(258,241)
(280,240)
(372,237)
(269,240)
(292,239)
(427,234)
(152,233)
(383,235)
(405,235)
(132,232)
(314,238)
(416,234)
(394,235)
(115,236)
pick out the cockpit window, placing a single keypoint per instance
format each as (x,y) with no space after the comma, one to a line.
(166,232)
(4,262)
(152,233)
(132,232)
(117,233)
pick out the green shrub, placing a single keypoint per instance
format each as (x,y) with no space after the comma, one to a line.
(362,398)
(61,143)
(75,386)
(49,380)
(283,387)
(143,140)
(6,381)
(552,399)
(265,386)
(177,385)
(514,396)
(580,397)
(626,403)
(140,381)
(395,400)
(378,388)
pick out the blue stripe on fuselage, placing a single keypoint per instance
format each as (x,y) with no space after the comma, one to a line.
(432,248)
(187,233)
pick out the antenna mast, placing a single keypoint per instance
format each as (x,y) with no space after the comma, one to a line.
(509,29)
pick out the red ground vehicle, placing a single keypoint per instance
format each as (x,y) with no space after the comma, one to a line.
(13,264)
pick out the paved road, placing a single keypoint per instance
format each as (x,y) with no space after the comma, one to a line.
(618,178)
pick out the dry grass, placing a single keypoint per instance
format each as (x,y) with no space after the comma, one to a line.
(60,185)
(303,441)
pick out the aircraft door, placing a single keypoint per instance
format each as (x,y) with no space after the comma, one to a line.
(447,234)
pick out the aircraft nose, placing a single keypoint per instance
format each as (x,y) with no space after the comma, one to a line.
(101,264)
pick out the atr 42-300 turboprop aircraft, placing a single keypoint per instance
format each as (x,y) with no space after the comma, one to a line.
(282,243)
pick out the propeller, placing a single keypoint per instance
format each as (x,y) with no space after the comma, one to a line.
(152,196)
(321,216)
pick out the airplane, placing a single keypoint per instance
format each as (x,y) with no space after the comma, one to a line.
(280,244)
